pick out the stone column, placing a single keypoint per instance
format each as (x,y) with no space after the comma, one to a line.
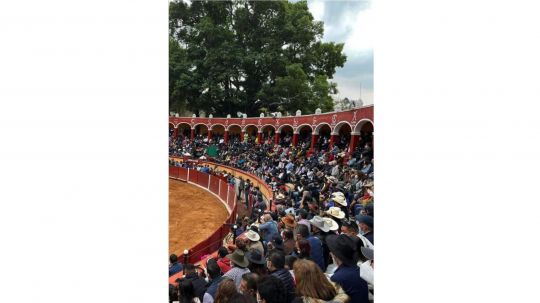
(294,139)
(226,137)
(277,138)
(355,138)
(260,137)
(192,134)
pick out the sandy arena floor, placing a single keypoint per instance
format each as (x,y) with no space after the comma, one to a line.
(194,214)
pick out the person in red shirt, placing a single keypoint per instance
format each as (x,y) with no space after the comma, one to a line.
(223,262)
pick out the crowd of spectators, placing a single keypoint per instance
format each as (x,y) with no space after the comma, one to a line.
(313,243)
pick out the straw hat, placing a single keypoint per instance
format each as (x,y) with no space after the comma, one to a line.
(320,224)
(252,236)
(340,200)
(289,221)
(336,212)
(338,193)
(280,196)
(331,223)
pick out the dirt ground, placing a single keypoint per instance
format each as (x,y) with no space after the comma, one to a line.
(194,214)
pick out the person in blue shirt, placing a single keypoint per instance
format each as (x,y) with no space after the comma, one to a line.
(268,227)
(343,250)
(316,253)
(174,266)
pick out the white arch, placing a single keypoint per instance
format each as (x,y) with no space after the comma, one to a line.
(264,126)
(229,127)
(280,128)
(361,123)
(319,126)
(177,125)
(248,125)
(338,126)
(217,124)
(298,128)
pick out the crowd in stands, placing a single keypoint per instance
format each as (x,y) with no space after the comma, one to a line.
(313,243)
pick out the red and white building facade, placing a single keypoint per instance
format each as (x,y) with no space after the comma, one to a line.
(350,123)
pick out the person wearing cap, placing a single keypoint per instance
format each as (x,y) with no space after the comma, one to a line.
(343,250)
(240,264)
(365,225)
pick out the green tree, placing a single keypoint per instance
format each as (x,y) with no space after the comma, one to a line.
(249,56)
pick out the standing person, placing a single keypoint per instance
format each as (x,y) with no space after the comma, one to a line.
(215,277)
(240,264)
(313,286)
(174,266)
(271,290)
(226,291)
(268,227)
(186,293)
(317,254)
(347,275)
(276,266)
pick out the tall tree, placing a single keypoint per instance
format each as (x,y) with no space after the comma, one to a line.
(249,56)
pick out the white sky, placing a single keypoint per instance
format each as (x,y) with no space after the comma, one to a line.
(350,22)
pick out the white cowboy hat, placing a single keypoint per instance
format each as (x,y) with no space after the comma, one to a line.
(331,223)
(336,212)
(340,200)
(253,236)
(320,223)
(338,194)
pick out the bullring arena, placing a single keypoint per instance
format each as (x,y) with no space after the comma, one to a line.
(194,214)
(342,126)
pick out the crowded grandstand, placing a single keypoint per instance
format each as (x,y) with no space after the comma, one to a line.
(303,221)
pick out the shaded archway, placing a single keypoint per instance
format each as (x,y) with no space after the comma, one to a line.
(184,129)
(201,131)
(268,133)
(364,129)
(250,133)
(323,130)
(234,131)
(304,134)
(342,134)
(286,132)
(218,132)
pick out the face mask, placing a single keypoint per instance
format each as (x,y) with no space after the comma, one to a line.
(362,232)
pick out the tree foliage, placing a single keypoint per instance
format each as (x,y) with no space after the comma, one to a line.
(249,56)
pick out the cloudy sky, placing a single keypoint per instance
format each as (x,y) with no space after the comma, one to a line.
(350,22)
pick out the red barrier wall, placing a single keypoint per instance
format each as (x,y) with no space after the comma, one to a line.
(212,184)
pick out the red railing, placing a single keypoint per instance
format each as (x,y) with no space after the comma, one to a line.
(226,193)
